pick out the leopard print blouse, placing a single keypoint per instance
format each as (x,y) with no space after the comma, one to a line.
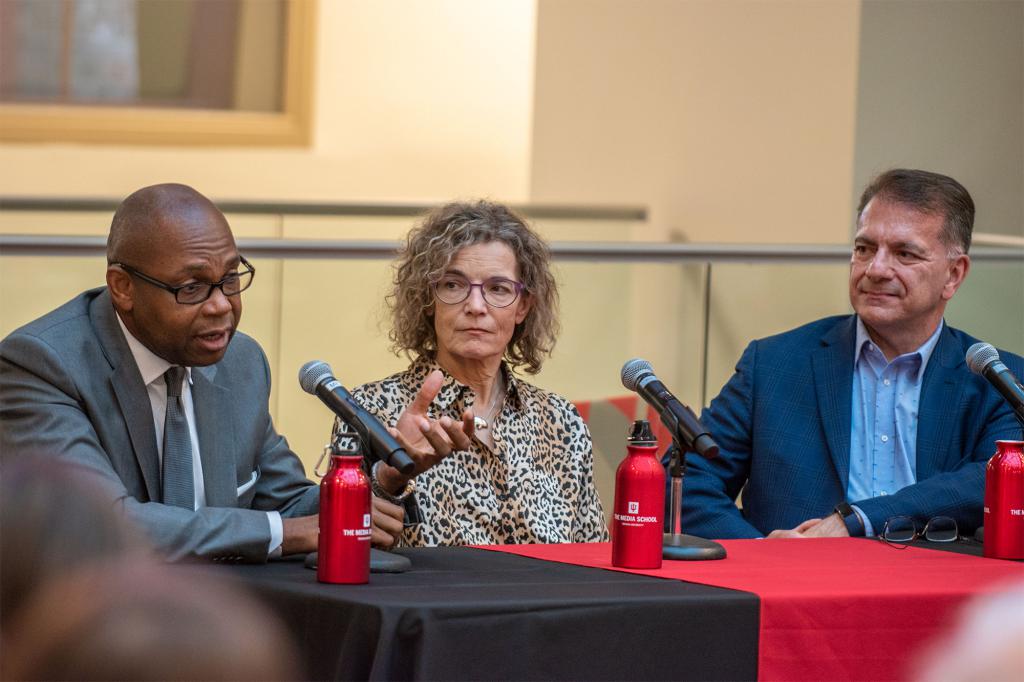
(536,486)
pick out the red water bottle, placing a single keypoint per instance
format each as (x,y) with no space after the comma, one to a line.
(638,515)
(1004,501)
(344,542)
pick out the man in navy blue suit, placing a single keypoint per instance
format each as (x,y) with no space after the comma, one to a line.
(835,427)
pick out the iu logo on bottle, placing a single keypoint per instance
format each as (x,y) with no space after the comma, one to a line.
(366,520)
(634,508)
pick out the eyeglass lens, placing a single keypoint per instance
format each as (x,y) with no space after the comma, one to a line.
(899,529)
(941,529)
(497,291)
(197,292)
(902,529)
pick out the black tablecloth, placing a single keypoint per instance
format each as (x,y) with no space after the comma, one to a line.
(464,614)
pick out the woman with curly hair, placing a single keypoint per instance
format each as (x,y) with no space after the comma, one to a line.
(497,459)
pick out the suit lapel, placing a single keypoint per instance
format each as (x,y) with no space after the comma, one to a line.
(213,424)
(126,382)
(833,381)
(939,402)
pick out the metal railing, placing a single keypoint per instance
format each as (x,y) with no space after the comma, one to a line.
(614,252)
(534,211)
(989,248)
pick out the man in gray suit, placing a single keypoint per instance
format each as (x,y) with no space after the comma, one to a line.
(146,383)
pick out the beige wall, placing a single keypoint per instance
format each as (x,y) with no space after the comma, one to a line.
(942,87)
(715,114)
(733,122)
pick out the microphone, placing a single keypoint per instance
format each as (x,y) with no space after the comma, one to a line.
(316,378)
(983,359)
(638,375)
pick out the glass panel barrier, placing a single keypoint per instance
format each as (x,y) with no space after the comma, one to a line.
(990,305)
(753,301)
(332,309)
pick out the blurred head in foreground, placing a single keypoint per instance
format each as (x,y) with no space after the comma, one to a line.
(987,645)
(53,519)
(139,620)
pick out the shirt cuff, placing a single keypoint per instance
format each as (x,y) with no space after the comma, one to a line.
(869,531)
(276,534)
(379,491)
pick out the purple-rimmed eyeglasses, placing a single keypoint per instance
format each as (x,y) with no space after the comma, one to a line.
(498,292)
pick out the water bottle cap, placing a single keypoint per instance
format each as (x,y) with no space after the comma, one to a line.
(640,433)
(346,442)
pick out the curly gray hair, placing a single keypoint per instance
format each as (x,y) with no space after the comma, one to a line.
(430,248)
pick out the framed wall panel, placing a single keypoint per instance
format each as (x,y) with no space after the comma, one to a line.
(260,93)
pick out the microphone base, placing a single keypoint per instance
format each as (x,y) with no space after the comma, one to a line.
(380,562)
(684,547)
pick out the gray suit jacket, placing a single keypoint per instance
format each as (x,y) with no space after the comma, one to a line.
(69,387)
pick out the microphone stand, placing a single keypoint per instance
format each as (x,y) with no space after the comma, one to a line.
(676,544)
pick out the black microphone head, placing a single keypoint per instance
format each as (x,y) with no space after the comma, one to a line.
(633,370)
(980,356)
(314,373)
(706,446)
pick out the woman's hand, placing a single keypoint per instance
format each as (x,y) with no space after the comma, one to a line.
(427,440)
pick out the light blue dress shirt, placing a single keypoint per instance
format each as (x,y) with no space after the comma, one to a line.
(883,434)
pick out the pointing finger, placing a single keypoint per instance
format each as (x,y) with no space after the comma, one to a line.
(428,391)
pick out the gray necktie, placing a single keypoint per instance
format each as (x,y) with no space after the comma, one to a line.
(178,484)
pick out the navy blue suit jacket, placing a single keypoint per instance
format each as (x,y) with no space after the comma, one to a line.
(783,425)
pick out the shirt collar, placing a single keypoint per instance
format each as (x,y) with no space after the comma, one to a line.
(924,352)
(151,366)
(453,391)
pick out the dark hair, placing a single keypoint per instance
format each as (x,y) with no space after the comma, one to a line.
(930,193)
(54,517)
(139,620)
(430,248)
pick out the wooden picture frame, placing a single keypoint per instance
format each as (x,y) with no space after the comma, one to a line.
(34,123)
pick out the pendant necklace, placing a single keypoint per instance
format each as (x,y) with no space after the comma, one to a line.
(480,423)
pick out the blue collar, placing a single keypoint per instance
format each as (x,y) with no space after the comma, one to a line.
(923,353)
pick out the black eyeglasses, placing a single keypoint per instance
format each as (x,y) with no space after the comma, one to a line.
(900,531)
(498,292)
(197,292)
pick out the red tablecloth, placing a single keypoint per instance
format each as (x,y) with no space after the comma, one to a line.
(831,608)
